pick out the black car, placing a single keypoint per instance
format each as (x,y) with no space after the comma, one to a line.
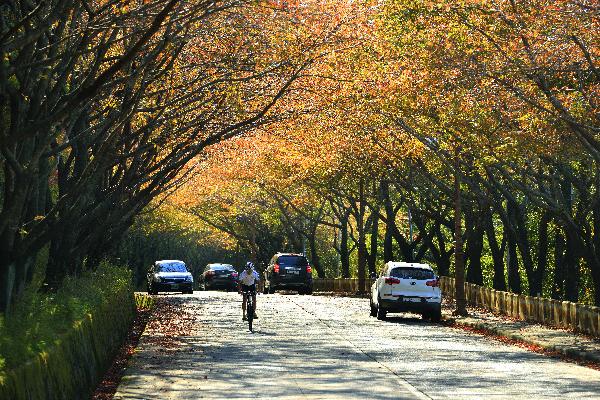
(169,276)
(219,276)
(288,271)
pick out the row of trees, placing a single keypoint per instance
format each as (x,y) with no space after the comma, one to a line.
(105,105)
(501,98)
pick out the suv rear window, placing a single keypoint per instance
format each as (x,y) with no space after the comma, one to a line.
(292,260)
(222,268)
(412,273)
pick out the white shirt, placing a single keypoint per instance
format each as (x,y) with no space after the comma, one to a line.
(249,278)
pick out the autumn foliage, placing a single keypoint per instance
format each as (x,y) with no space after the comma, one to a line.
(504,94)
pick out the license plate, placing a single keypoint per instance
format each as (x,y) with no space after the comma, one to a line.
(174,285)
(293,272)
(412,299)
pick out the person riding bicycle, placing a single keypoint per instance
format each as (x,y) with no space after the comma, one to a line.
(247,283)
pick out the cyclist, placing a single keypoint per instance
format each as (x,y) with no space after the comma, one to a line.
(247,283)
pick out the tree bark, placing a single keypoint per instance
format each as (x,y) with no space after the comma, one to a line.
(459,263)
(514,278)
(558,285)
(344,250)
(362,247)
(374,241)
(499,281)
(474,248)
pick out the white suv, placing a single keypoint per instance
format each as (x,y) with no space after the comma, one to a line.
(406,287)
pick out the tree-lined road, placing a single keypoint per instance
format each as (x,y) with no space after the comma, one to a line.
(317,347)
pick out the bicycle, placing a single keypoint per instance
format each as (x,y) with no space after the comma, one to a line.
(249,307)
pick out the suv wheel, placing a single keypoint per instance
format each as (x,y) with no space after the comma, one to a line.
(309,290)
(301,291)
(381,313)
(153,290)
(373,309)
(436,316)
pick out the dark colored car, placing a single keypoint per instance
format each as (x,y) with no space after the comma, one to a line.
(169,276)
(219,276)
(288,271)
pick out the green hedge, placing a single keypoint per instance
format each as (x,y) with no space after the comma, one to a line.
(58,347)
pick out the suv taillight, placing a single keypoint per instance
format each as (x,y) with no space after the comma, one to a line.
(392,281)
(276,268)
(308,269)
(433,283)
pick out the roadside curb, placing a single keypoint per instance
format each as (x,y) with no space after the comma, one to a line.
(564,350)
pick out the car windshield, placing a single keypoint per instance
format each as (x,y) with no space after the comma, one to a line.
(172,267)
(292,260)
(412,273)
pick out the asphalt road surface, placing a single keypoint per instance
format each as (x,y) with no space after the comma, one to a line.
(317,347)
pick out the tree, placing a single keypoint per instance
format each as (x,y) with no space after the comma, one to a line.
(105,104)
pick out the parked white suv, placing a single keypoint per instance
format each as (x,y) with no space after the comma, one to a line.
(406,287)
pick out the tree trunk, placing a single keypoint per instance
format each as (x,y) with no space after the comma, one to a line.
(374,241)
(362,247)
(388,244)
(519,222)
(536,285)
(558,285)
(390,225)
(571,264)
(445,255)
(344,251)
(459,266)
(499,281)
(314,255)
(474,248)
(595,265)
(7,284)
(514,278)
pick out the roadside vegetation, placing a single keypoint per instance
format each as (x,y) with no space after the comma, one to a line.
(40,321)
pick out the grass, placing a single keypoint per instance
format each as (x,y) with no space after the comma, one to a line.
(36,320)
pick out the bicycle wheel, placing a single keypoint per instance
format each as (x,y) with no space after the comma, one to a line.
(250,312)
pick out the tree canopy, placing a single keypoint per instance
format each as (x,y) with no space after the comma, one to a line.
(335,128)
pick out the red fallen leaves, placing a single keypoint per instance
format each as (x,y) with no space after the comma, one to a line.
(108,386)
(163,326)
(169,321)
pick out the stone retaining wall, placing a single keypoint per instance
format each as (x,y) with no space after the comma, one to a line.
(72,367)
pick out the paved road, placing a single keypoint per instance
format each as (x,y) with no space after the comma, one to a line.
(317,347)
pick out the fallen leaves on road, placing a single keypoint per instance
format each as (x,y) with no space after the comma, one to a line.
(108,386)
(163,325)
(169,322)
